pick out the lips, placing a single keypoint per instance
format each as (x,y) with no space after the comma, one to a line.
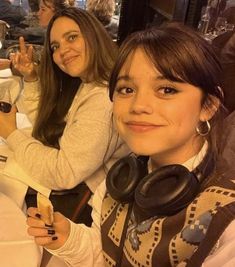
(67,60)
(141,126)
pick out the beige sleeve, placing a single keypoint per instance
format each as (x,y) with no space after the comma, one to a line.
(83,146)
(29,99)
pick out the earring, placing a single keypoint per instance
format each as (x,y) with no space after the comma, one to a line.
(204,133)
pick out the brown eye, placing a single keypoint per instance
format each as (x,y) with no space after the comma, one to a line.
(124,90)
(167,90)
(72,37)
(53,48)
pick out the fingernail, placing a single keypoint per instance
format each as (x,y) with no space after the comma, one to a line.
(54,238)
(48,225)
(51,232)
(38,215)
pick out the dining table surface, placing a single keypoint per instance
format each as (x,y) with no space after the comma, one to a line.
(14,181)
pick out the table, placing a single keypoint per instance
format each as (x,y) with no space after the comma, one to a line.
(14,181)
(17,248)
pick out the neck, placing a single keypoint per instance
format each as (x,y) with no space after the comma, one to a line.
(177,155)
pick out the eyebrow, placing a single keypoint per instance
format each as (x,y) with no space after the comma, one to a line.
(65,35)
(128,77)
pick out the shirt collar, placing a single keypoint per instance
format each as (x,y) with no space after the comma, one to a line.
(191,163)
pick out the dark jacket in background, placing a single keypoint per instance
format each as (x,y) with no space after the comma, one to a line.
(13,15)
(228,65)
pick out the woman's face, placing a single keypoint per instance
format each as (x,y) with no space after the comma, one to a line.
(69,49)
(155,116)
(45,13)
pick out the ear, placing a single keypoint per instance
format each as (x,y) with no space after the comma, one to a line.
(209,108)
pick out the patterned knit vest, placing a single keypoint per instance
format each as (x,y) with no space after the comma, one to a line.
(165,241)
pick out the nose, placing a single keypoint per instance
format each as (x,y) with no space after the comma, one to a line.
(141,103)
(64,48)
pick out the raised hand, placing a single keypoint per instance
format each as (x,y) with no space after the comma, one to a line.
(22,61)
(51,237)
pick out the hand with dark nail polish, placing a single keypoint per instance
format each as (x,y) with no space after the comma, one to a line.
(51,232)
(51,237)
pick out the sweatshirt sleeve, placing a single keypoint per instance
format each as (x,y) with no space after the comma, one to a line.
(29,99)
(83,146)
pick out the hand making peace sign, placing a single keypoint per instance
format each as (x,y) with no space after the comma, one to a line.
(22,61)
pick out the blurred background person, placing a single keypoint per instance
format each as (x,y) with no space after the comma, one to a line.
(47,9)
(228,64)
(23,3)
(13,15)
(104,11)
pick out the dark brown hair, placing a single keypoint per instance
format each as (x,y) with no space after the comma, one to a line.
(180,55)
(58,88)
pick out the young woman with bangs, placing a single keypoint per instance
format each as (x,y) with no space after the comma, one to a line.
(170,202)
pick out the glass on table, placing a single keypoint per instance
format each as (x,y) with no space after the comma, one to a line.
(220,25)
(210,36)
(229,27)
(5,100)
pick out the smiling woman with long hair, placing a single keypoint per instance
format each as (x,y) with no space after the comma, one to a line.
(73,139)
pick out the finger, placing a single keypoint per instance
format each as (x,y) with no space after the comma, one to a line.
(23,49)
(12,56)
(35,222)
(32,212)
(13,109)
(44,241)
(30,52)
(41,231)
(16,59)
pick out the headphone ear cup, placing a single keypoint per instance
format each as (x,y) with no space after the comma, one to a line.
(124,176)
(165,192)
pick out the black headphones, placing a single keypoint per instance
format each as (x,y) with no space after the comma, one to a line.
(163,192)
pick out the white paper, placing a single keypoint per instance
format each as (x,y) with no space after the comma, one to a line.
(5,73)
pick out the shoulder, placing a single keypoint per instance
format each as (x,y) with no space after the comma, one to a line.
(91,99)
(92,90)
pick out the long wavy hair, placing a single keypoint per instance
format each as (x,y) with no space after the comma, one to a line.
(180,55)
(58,88)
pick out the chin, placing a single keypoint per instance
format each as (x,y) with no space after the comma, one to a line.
(139,149)
(73,74)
